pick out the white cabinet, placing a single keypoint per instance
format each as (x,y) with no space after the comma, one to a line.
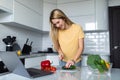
(54,59)
(79,11)
(101,14)
(27,17)
(47,8)
(6,5)
(36,6)
(34,61)
(77,8)
(23,16)
(90,14)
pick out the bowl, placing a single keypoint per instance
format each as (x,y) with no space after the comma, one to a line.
(96,71)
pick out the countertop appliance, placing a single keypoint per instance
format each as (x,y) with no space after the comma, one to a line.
(9,41)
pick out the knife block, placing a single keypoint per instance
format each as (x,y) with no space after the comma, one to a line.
(26,49)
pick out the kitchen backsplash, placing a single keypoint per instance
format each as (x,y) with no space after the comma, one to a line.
(97,43)
(21,36)
(46,42)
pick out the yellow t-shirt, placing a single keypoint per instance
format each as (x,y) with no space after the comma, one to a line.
(68,40)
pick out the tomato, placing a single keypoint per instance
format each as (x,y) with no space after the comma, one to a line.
(53,69)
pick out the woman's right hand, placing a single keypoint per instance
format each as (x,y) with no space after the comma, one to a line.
(61,56)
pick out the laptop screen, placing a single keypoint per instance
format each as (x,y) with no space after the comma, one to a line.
(13,63)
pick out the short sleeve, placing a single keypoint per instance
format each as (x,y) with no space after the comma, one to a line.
(81,33)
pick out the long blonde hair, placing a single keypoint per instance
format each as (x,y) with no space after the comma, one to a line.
(57,14)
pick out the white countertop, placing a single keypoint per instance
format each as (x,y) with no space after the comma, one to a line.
(82,73)
(36,55)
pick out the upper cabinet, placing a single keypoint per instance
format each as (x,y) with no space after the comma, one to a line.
(101,14)
(6,5)
(76,7)
(90,14)
(34,14)
(35,5)
(25,14)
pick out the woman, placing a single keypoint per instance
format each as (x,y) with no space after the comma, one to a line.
(67,37)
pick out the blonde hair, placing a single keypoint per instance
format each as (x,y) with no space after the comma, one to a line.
(57,14)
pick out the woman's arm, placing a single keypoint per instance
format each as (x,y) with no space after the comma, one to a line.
(80,49)
(61,55)
(79,52)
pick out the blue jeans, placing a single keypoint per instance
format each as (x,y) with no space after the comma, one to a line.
(62,63)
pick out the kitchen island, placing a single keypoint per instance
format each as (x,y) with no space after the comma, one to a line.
(82,73)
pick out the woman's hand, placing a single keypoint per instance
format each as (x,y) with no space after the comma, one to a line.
(69,63)
(61,56)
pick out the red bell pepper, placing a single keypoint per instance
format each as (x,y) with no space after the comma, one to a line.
(45,63)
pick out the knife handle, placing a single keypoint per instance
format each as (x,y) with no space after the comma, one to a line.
(31,43)
(27,40)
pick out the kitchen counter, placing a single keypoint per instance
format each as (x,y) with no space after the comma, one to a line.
(36,55)
(82,73)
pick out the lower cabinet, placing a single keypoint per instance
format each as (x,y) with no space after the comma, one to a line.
(33,61)
(53,59)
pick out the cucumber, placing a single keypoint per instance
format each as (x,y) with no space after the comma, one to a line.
(72,67)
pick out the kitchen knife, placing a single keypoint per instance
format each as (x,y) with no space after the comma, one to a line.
(31,43)
(27,40)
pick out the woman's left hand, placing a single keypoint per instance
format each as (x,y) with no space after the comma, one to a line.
(69,63)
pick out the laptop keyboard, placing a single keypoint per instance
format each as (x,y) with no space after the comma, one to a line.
(37,72)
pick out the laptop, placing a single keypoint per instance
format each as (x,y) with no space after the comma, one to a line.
(14,65)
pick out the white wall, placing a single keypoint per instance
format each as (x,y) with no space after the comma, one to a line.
(46,41)
(21,36)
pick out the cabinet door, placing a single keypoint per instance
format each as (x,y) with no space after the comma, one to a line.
(81,12)
(53,59)
(34,61)
(91,14)
(87,22)
(36,5)
(27,17)
(23,17)
(47,9)
(101,12)
(6,5)
(77,8)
